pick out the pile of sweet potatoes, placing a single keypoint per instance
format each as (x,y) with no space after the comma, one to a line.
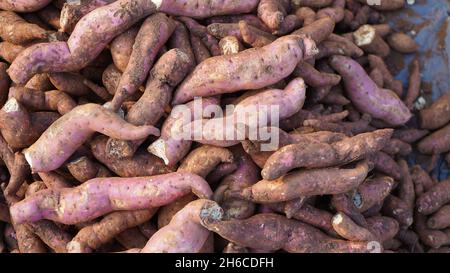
(93,100)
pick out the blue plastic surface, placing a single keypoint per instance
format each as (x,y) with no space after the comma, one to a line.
(428,22)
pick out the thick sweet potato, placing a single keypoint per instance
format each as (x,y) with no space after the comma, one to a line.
(436,143)
(380,103)
(434,198)
(440,219)
(84,169)
(324,155)
(74,129)
(399,210)
(122,47)
(21,128)
(372,192)
(93,236)
(385,5)
(153,34)
(244,70)
(273,12)
(349,230)
(269,232)
(104,195)
(185,233)
(16,30)
(307,183)
(402,43)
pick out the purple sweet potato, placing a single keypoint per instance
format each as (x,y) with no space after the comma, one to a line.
(436,143)
(434,198)
(365,94)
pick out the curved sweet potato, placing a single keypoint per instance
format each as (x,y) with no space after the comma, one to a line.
(365,94)
(243,70)
(73,130)
(103,195)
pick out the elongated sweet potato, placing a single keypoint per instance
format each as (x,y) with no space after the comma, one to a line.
(273,12)
(390,82)
(167,73)
(243,70)
(440,219)
(270,232)
(346,204)
(385,5)
(93,236)
(402,43)
(384,228)
(324,155)
(16,30)
(204,159)
(253,36)
(437,115)
(414,84)
(4,83)
(307,183)
(430,237)
(319,30)
(103,195)
(122,47)
(367,38)
(399,210)
(201,52)
(436,143)
(152,35)
(314,77)
(43,101)
(78,125)
(434,198)
(21,128)
(169,146)
(185,233)
(9,51)
(381,103)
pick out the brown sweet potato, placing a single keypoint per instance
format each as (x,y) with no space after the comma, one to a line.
(436,143)
(253,36)
(152,35)
(273,12)
(409,135)
(385,164)
(43,101)
(307,183)
(323,154)
(230,45)
(4,83)
(9,51)
(93,236)
(201,52)
(109,194)
(372,192)
(21,128)
(16,30)
(349,230)
(437,115)
(434,198)
(385,5)
(288,50)
(346,204)
(269,232)
(84,169)
(122,47)
(414,84)
(402,43)
(185,233)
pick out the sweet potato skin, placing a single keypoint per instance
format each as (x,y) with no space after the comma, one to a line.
(437,115)
(324,155)
(185,233)
(78,125)
(23,6)
(380,103)
(307,183)
(4,83)
(269,232)
(122,47)
(153,191)
(434,198)
(288,50)
(373,191)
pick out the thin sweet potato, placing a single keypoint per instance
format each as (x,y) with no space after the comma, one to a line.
(288,51)
(414,84)
(109,194)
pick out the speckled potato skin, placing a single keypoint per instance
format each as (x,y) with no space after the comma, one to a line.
(122,46)
(23,5)
(307,183)
(249,69)
(437,115)
(185,233)
(434,199)
(324,155)
(365,94)
(207,8)
(373,191)
(73,129)
(269,232)
(100,196)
